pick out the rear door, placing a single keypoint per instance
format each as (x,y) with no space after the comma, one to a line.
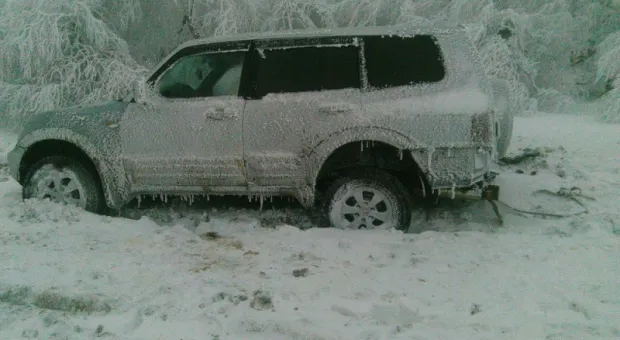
(302,90)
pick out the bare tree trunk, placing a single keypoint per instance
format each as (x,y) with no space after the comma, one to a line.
(188,19)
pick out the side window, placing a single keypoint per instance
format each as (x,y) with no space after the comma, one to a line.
(305,69)
(203,75)
(397,61)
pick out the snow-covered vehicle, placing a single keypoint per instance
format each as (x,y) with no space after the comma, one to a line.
(358,121)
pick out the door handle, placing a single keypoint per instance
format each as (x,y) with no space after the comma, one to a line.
(337,108)
(219,113)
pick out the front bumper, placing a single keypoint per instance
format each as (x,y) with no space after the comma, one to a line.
(14,158)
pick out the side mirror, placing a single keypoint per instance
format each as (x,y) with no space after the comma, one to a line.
(139,91)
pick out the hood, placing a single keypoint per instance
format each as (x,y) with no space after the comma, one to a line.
(77,118)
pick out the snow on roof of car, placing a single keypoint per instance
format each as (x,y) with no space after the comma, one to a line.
(333,32)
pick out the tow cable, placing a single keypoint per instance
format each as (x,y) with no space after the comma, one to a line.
(574,194)
(490,193)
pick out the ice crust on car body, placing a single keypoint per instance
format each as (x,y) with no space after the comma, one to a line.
(284,138)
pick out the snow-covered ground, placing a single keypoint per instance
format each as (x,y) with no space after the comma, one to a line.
(66,274)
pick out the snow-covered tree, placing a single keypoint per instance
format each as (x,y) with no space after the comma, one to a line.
(55,53)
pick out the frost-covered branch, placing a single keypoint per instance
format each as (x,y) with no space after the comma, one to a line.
(188,19)
(353,13)
(608,63)
(608,70)
(298,14)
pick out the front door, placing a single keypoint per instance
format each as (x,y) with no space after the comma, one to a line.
(188,134)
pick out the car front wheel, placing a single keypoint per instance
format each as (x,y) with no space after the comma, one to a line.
(64,180)
(368,200)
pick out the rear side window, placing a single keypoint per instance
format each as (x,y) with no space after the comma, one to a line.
(305,69)
(397,61)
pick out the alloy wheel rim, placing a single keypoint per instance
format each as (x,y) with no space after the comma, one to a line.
(59,185)
(363,207)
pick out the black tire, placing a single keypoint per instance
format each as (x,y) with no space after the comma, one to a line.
(87,178)
(396,196)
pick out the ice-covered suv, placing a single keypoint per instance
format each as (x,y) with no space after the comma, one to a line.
(357,121)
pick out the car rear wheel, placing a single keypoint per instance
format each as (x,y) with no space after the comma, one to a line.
(64,180)
(368,200)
